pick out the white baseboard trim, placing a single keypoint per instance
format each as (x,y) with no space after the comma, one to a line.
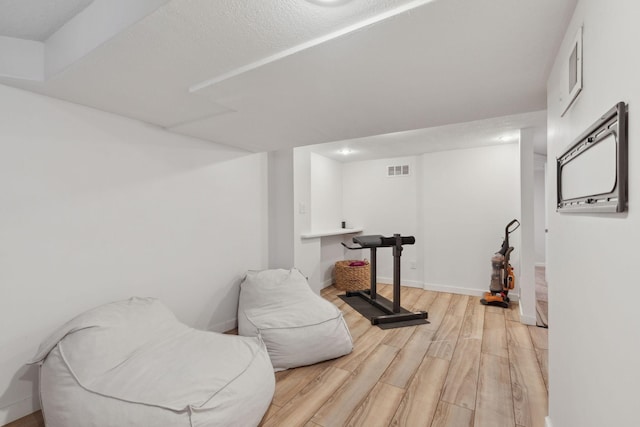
(547,422)
(453,289)
(540,264)
(445,288)
(225,326)
(527,320)
(409,283)
(463,291)
(20,409)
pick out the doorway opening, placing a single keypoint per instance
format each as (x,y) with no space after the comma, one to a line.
(540,221)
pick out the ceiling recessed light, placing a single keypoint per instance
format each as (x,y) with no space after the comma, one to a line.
(345,151)
(508,137)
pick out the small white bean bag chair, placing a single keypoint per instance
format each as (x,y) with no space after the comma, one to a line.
(132,363)
(298,327)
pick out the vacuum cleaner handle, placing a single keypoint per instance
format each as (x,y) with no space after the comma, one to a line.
(506,229)
(507,254)
(505,242)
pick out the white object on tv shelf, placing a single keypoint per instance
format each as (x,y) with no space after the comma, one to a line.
(334,232)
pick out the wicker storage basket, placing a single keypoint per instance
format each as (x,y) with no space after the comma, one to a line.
(352,278)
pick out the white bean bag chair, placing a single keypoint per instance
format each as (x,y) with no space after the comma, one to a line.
(298,327)
(132,363)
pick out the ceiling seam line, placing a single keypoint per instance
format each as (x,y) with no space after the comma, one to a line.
(309,44)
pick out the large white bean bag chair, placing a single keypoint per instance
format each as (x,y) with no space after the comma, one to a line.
(132,363)
(298,327)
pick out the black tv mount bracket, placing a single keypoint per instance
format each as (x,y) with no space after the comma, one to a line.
(612,126)
(393,312)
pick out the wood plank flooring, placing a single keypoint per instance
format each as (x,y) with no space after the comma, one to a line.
(31,420)
(472,366)
(542,297)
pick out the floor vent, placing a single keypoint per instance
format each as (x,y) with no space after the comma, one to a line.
(400,170)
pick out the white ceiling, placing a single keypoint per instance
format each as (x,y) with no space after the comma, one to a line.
(292,72)
(479,133)
(37,19)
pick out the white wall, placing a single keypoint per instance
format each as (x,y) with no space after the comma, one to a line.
(456,203)
(331,251)
(539,207)
(592,259)
(326,212)
(385,205)
(97,208)
(21,59)
(306,252)
(317,207)
(281,210)
(525,267)
(326,193)
(469,196)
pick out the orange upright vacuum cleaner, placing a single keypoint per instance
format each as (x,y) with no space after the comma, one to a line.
(502,277)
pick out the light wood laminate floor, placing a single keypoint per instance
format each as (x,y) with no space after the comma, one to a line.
(472,366)
(542,297)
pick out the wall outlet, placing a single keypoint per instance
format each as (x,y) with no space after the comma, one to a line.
(413,265)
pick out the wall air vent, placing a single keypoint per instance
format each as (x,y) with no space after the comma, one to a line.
(400,170)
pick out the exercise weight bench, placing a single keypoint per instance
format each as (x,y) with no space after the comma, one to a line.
(393,312)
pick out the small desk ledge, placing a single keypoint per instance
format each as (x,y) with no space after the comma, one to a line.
(335,232)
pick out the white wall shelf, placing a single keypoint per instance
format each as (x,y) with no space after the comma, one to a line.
(334,232)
